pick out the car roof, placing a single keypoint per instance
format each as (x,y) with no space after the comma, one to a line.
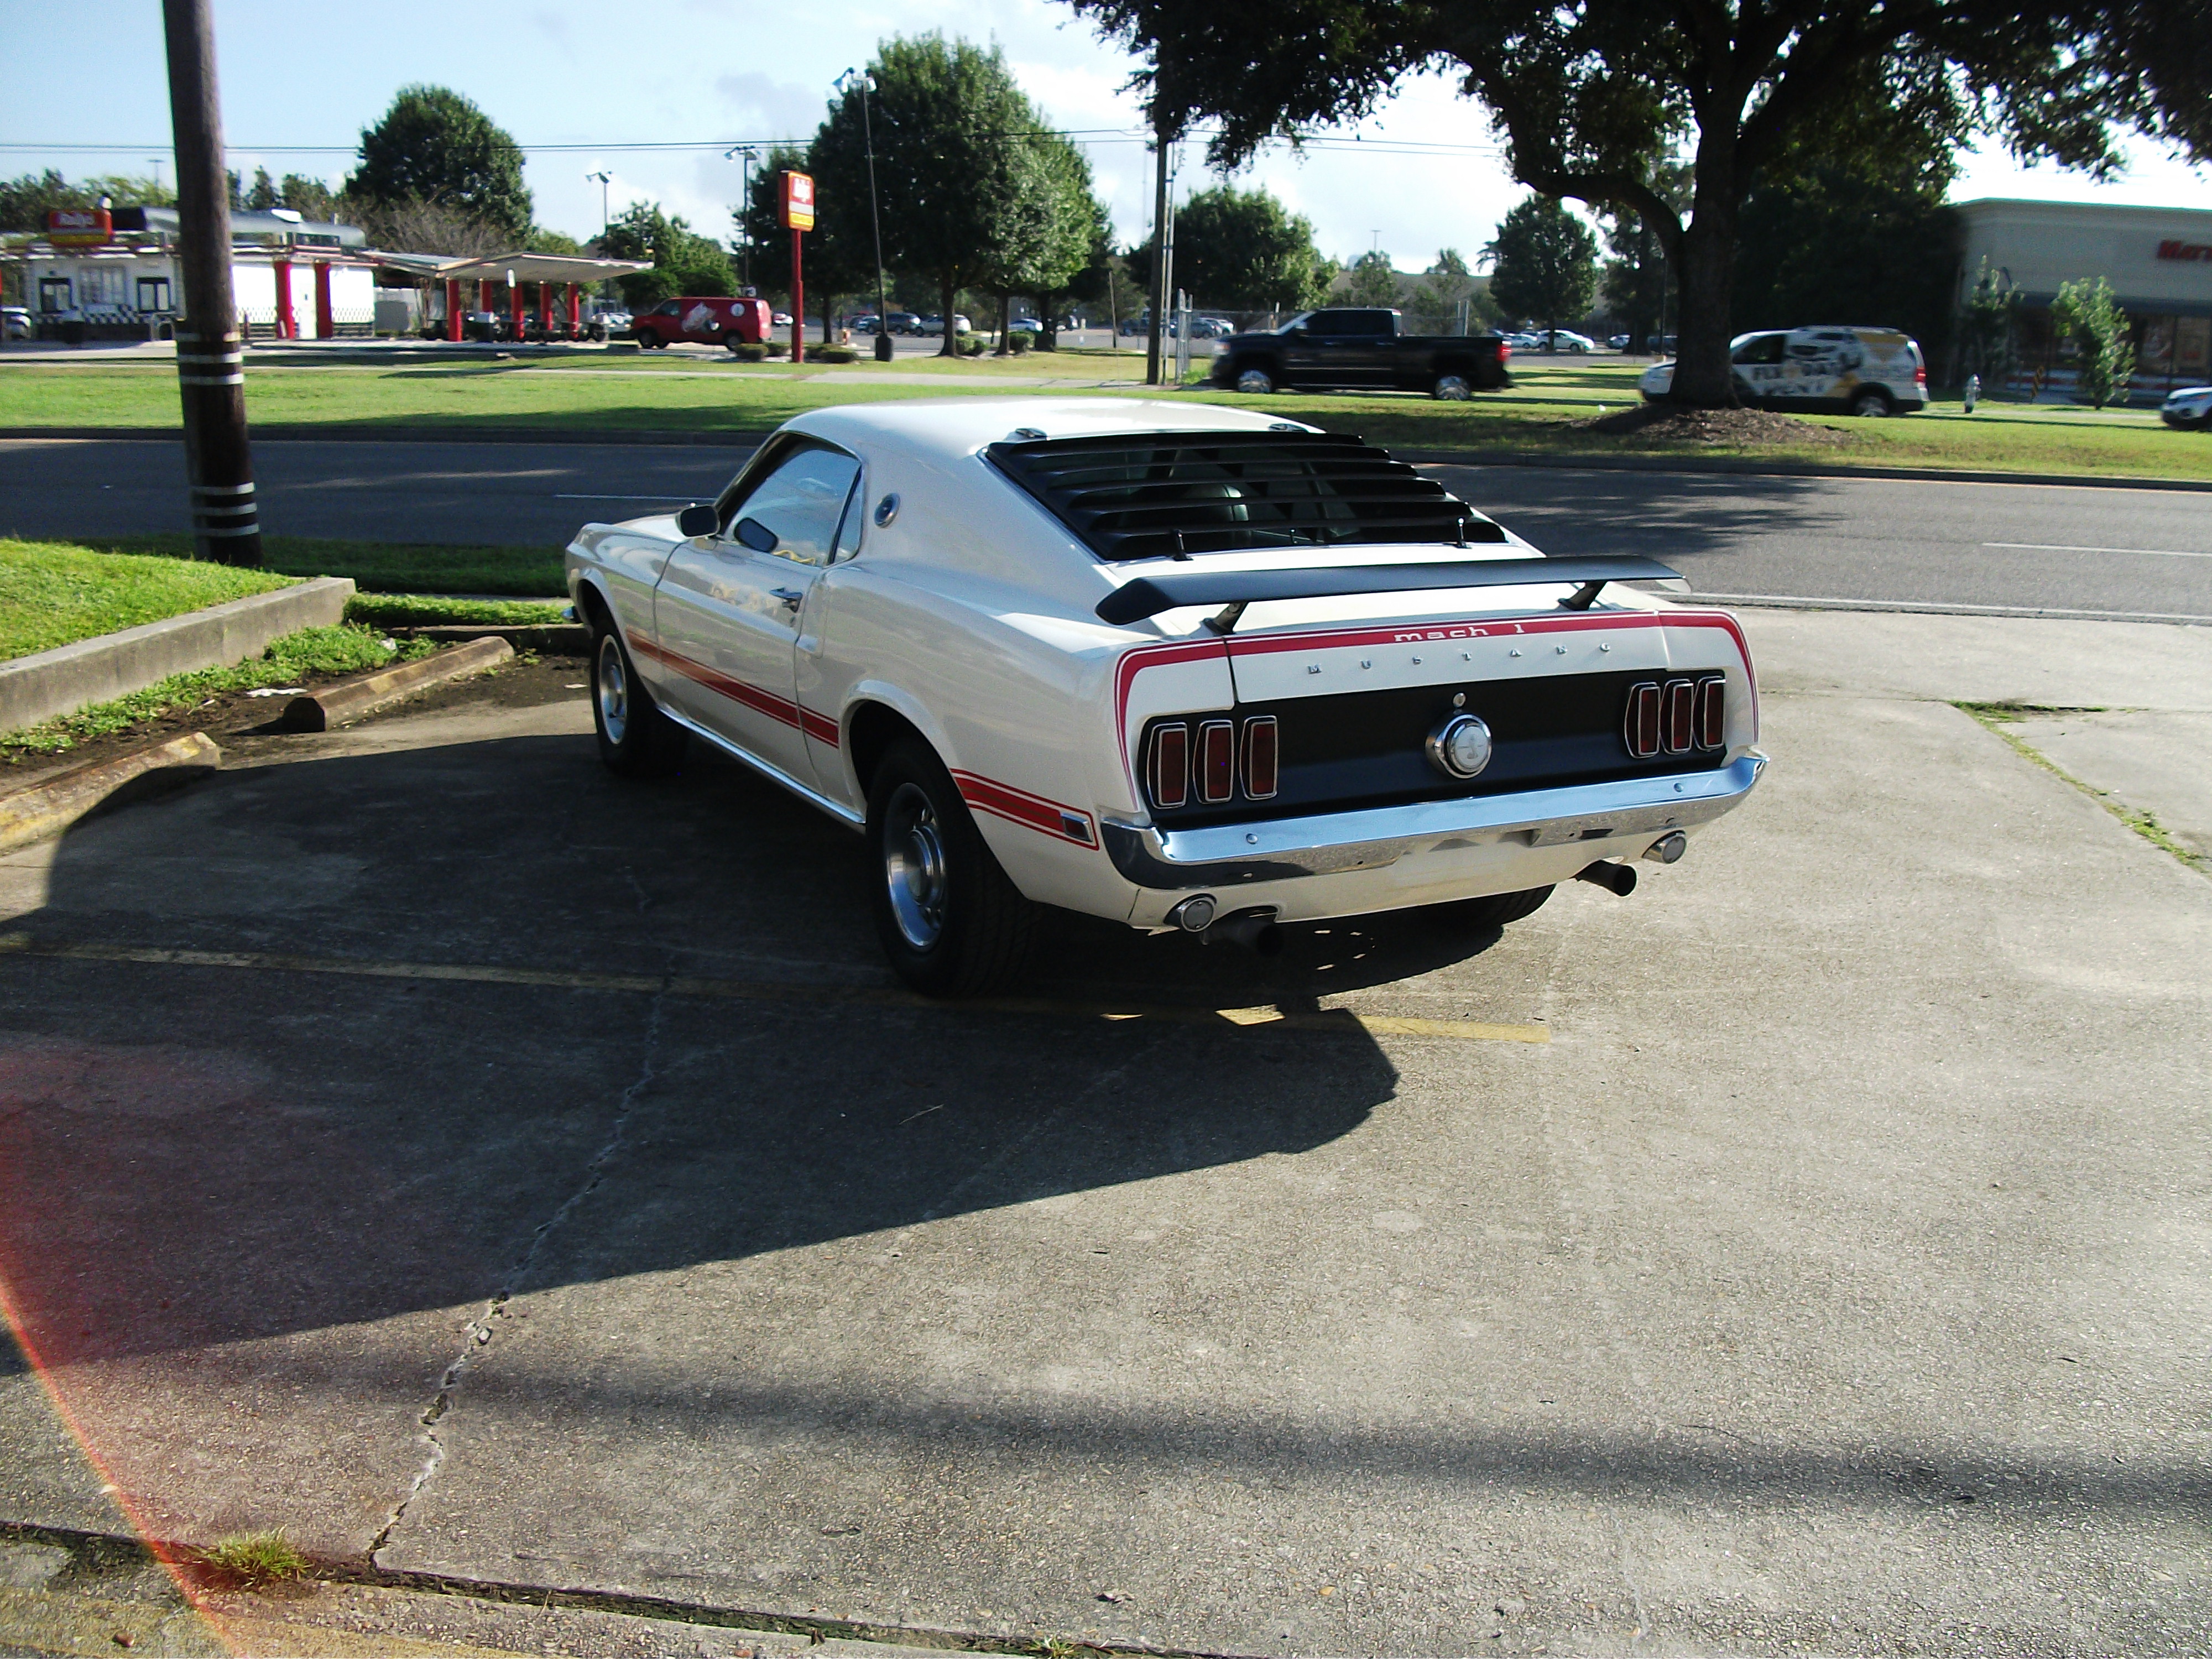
(947,428)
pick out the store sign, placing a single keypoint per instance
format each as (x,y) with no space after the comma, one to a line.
(2193,252)
(80,227)
(798,202)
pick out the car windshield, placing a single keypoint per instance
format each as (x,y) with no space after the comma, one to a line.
(1172,494)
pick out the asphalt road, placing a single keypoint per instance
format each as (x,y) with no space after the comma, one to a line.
(421,1141)
(2089,551)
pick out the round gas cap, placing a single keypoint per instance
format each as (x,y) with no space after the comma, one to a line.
(886,510)
(1460,747)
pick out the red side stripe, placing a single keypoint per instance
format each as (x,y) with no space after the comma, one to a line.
(753,696)
(1019,806)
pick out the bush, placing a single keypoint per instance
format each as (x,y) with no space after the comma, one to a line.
(832,354)
(776,347)
(748,352)
(1020,341)
(2105,354)
(973,345)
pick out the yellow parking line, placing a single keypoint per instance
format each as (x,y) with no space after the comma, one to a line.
(1343,1021)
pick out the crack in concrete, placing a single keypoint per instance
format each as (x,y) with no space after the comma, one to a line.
(477,1332)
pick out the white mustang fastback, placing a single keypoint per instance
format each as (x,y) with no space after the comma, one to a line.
(1173,664)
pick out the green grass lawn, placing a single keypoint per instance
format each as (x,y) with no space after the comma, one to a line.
(56,592)
(375,566)
(646,391)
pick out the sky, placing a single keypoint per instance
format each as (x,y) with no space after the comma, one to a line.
(697,76)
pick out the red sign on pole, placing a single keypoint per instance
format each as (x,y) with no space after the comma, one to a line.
(95,227)
(797,201)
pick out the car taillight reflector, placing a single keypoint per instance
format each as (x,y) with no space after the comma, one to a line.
(1259,757)
(1170,767)
(1678,718)
(1712,713)
(1641,729)
(1216,762)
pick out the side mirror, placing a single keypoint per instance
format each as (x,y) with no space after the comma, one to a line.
(758,536)
(697,520)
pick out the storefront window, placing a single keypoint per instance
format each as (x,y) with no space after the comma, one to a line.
(154,294)
(2192,343)
(54,294)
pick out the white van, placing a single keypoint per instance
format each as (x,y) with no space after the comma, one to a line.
(1831,369)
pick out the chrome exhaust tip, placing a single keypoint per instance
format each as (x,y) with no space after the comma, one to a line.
(1668,848)
(1195,913)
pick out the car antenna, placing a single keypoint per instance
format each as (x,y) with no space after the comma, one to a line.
(1181,552)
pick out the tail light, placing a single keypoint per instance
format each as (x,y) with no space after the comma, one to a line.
(1712,713)
(1641,729)
(1675,718)
(1259,757)
(1678,718)
(1920,380)
(1170,765)
(1217,763)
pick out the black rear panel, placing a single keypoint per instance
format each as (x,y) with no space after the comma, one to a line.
(1169,494)
(1364,748)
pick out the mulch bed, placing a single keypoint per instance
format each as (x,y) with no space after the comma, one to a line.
(1738,427)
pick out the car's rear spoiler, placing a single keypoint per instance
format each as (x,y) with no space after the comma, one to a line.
(1147,596)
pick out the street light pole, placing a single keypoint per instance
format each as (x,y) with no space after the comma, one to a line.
(875,214)
(605,180)
(744,154)
(210,355)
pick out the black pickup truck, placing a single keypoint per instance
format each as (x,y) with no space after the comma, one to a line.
(1360,351)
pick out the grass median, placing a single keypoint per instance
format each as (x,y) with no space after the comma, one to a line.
(1538,417)
(521,573)
(55,594)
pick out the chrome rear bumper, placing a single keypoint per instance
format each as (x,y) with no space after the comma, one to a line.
(1224,856)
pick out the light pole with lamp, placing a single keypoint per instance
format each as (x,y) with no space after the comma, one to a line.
(605,180)
(867,84)
(745,212)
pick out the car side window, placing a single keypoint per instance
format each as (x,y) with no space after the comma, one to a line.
(1766,349)
(798,501)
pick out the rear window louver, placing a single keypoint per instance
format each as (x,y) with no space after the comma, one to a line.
(1155,495)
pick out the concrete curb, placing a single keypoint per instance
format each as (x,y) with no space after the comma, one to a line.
(348,700)
(47,806)
(553,639)
(50,682)
(749,441)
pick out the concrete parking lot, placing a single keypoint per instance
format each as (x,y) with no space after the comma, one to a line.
(421,1141)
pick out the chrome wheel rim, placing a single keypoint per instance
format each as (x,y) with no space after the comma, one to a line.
(1253,380)
(1452,389)
(913,866)
(613,691)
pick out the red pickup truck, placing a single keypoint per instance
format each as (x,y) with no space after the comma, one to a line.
(708,318)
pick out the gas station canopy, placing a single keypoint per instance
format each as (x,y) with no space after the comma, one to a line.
(537,268)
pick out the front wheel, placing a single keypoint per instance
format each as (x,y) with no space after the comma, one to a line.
(635,738)
(1453,388)
(1255,381)
(1870,403)
(1496,910)
(950,921)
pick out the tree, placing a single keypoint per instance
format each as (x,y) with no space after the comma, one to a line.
(1444,287)
(1988,330)
(422,227)
(1373,281)
(684,261)
(1244,250)
(2103,355)
(1544,263)
(945,115)
(1634,284)
(1589,94)
(310,198)
(435,146)
(261,194)
(25,202)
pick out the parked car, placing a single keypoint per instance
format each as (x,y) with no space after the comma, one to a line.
(1565,339)
(1831,369)
(15,322)
(934,324)
(1617,342)
(608,322)
(1299,680)
(1025,325)
(710,319)
(1353,348)
(2190,407)
(903,322)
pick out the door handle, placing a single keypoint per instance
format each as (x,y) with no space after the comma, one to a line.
(793,597)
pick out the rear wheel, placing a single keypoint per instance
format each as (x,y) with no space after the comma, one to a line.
(1255,381)
(1453,388)
(1497,909)
(950,921)
(1871,403)
(635,738)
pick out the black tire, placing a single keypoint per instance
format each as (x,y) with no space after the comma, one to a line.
(1497,909)
(950,921)
(1870,403)
(636,741)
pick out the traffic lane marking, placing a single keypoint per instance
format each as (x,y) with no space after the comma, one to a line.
(1341,1021)
(2062,547)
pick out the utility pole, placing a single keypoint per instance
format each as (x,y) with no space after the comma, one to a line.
(1159,298)
(210,355)
(867,84)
